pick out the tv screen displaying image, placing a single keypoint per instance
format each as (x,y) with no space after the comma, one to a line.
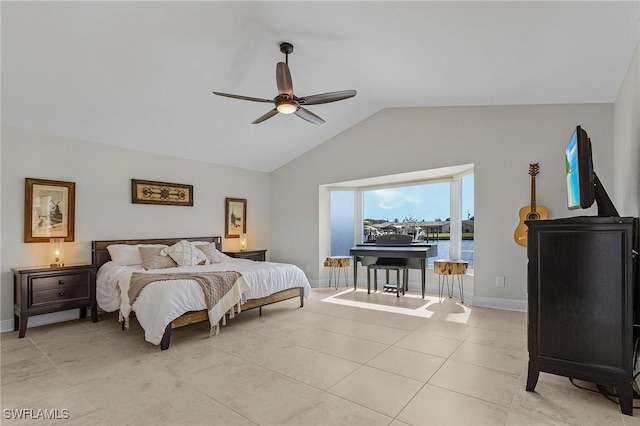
(579,170)
(573,173)
(583,186)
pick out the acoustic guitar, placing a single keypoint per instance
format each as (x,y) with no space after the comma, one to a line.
(532,212)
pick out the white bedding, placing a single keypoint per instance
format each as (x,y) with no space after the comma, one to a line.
(161,302)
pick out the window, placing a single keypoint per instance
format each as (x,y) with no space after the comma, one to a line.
(342,223)
(437,210)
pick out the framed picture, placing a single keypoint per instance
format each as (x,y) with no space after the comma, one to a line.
(49,210)
(170,194)
(235,213)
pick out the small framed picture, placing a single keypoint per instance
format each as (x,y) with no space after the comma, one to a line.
(49,210)
(236,217)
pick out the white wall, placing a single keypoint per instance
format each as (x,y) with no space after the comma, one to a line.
(500,141)
(103,198)
(626,133)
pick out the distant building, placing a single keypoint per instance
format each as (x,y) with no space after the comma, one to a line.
(423,230)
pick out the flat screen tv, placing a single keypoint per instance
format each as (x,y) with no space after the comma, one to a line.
(583,185)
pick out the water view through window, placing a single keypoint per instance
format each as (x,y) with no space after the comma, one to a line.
(420,210)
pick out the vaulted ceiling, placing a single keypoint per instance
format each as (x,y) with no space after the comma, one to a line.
(140,74)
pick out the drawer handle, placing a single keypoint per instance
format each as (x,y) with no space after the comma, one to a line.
(61,293)
(60,282)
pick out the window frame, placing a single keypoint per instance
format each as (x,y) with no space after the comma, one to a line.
(455,200)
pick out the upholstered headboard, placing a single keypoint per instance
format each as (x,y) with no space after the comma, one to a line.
(100,254)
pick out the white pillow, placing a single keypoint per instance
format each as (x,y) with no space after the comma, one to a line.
(128,255)
(124,254)
(185,254)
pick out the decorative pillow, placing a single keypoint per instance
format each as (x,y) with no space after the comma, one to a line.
(212,253)
(128,255)
(153,259)
(185,254)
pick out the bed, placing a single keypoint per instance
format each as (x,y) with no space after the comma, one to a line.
(167,304)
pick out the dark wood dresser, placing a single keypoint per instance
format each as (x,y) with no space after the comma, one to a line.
(42,290)
(258,255)
(582,285)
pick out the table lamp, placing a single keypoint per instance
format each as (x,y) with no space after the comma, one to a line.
(56,252)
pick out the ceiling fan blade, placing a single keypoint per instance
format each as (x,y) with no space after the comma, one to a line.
(265,117)
(244,98)
(324,98)
(283,80)
(307,115)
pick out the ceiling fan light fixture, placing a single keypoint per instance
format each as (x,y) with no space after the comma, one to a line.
(286,107)
(286,102)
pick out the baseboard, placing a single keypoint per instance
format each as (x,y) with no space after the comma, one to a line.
(318,283)
(494,302)
(44,319)
(325,283)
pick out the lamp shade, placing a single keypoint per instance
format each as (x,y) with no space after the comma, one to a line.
(56,252)
(243,242)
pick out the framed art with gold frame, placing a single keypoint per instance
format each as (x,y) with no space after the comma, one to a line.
(49,210)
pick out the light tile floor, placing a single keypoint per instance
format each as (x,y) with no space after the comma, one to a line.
(346,358)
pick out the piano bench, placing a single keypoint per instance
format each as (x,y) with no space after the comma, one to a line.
(398,268)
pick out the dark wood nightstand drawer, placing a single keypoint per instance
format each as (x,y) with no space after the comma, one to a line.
(43,290)
(60,281)
(59,295)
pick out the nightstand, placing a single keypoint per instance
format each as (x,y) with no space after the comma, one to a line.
(258,255)
(42,290)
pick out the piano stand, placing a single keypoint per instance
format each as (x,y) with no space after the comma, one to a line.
(416,253)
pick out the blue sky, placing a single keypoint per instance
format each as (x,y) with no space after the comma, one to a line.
(422,202)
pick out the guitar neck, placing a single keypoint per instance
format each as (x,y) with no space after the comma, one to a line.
(533,194)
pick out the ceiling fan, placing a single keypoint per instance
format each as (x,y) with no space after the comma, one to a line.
(288,103)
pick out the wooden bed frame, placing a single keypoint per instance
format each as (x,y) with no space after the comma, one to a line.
(100,256)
